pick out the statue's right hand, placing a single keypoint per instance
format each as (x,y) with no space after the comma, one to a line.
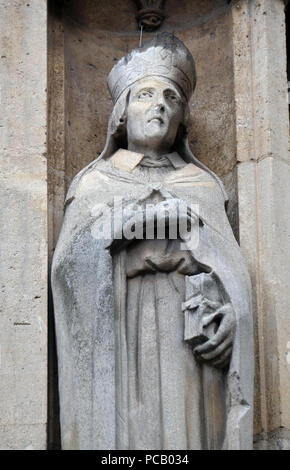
(217,350)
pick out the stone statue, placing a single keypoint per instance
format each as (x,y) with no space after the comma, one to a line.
(154,334)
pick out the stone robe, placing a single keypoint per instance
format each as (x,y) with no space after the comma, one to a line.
(127,377)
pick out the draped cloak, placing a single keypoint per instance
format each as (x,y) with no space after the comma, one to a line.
(91,291)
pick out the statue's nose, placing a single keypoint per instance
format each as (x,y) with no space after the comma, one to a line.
(160,107)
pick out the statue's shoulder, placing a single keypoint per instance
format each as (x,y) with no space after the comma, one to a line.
(197,174)
(191,172)
(208,175)
(81,178)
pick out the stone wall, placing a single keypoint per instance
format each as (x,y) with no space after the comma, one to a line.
(262,119)
(23,225)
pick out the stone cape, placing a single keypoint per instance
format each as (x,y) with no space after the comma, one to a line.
(82,282)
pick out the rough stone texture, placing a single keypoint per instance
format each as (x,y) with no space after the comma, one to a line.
(25,437)
(23,225)
(248,237)
(263,178)
(56,135)
(277,440)
(231,185)
(274,202)
(56,191)
(262,114)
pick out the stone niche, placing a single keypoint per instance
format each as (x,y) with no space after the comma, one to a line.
(85,39)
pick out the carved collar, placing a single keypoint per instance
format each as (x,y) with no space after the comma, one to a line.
(128,160)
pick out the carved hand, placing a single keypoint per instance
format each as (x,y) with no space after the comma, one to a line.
(218,349)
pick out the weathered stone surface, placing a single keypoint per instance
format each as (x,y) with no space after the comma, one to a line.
(262,145)
(277,440)
(248,240)
(56,182)
(264,235)
(25,437)
(274,245)
(261,101)
(23,77)
(23,226)
(231,186)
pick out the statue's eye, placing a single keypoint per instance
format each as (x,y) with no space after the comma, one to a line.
(172,97)
(145,94)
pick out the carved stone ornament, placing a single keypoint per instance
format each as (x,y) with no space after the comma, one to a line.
(150,14)
(152,297)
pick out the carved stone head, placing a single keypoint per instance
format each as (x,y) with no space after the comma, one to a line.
(151,88)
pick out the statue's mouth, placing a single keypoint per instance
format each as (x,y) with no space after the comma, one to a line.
(156,118)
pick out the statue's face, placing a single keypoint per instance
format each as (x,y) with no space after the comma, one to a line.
(154,113)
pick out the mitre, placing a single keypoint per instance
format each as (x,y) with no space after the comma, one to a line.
(163,56)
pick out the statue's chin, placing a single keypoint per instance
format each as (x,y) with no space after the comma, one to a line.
(156,132)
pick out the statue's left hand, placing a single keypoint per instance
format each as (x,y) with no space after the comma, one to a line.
(217,350)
